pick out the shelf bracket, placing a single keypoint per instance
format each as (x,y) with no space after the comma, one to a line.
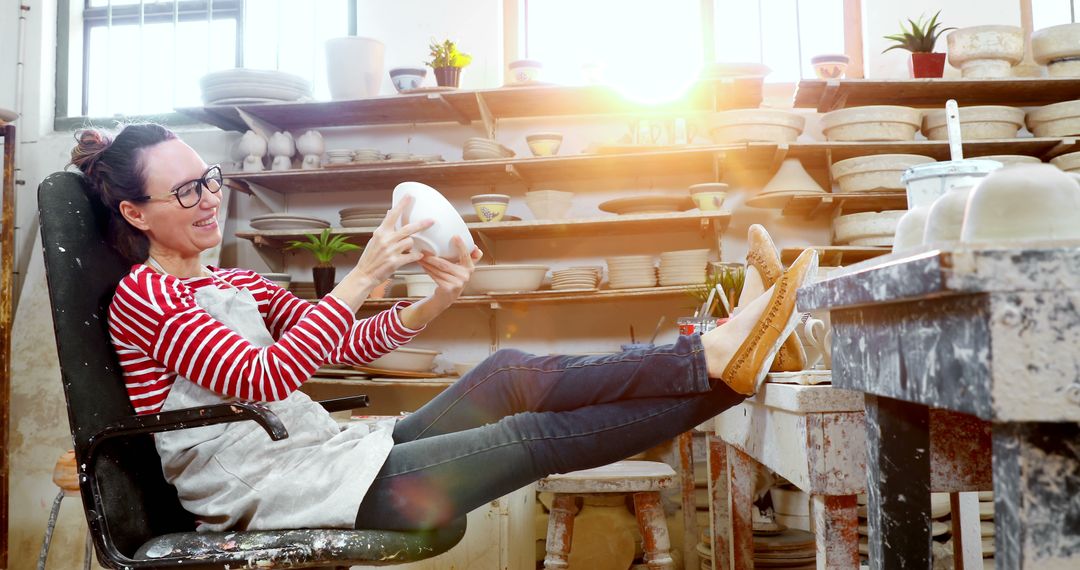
(779,154)
(488,245)
(1061,147)
(514,173)
(449,107)
(486,116)
(718,165)
(826,203)
(261,127)
(718,236)
(828,101)
(273,200)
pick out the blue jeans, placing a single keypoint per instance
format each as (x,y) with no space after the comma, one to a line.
(516,418)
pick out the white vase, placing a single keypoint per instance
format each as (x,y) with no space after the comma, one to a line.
(253,145)
(310,145)
(354,67)
(282,148)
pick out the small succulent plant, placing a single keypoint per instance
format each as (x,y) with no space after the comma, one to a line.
(446,54)
(324,247)
(921,37)
(730,278)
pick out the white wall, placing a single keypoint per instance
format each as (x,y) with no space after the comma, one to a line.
(39,432)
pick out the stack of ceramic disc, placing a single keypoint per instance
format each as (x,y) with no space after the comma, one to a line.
(362,217)
(367,155)
(240,86)
(575,278)
(792,549)
(339,156)
(686,267)
(477,148)
(630,271)
(940,522)
(429,157)
(288,222)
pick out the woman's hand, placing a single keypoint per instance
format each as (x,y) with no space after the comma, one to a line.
(450,278)
(386,251)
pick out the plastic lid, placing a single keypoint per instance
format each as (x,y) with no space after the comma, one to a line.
(947,167)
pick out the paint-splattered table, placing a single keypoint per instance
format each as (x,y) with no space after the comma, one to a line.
(993,333)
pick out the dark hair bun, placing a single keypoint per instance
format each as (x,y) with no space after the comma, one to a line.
(91,145)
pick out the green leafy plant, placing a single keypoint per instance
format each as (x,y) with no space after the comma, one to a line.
(730,278)
(921,37)
(324,247)
(446,54)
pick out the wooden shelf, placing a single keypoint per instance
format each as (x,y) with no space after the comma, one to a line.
(813,205)
(533,229)
(834,255)
(467,106)
(441,382)
(546,296)
(1018,92)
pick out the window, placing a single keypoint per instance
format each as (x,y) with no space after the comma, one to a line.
(1046,13)
(140,57)
(653,50)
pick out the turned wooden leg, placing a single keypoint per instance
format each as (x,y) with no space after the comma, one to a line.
(836,526)
(654,533)
(560,531)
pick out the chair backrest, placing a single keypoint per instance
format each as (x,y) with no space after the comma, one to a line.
(82,271)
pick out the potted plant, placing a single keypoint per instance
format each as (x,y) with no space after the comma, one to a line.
(447,62)
(920,40)
(324,248)
(730,278)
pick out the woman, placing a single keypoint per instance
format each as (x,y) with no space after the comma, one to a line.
(190,335)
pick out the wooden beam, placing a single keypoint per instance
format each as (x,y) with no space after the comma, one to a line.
(459,115)
(7,273)
(853,38)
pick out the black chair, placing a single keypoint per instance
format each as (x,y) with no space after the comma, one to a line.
(134,516)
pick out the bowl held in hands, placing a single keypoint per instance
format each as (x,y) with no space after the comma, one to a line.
(429,203)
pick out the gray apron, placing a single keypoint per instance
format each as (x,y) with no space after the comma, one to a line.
(233,476)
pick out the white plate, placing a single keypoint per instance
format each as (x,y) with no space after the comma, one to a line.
(287,225)
(429,203)
(7,115)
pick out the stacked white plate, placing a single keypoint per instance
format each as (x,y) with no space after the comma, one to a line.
(239,86)
(367,155)
(362,217)
(575,278)
(339,156)
(429,157)
(684,267)
(477,148)
(288,222)
(631,271)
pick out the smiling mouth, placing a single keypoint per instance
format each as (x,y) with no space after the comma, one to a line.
(206,222)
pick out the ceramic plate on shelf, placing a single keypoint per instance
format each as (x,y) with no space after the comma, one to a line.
(7,115)
(649,204)
(429,203)
(383,372)
(474,219)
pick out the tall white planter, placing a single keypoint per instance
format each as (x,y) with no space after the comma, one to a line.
(354,67)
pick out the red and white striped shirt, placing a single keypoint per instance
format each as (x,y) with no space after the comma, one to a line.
(158,332)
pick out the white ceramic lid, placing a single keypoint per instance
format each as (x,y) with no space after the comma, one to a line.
(429,203)
(968,166)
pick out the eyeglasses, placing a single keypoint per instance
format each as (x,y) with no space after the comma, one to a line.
(189,194)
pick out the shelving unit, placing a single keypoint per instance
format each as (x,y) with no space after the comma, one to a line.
(1018,92)
(441,382)
(833,255)
(496,300)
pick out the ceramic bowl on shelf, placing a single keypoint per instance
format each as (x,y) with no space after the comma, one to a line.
(544,144)
(791,179)
(1069,162)
(418,284)
(406,78)
(429,203)
(1058,48)
(986,52)
(490,207)
(406,359)
(506,278)
(282,280)
(1056,120)
(549,204)
(1027,202)
(976,123)
(830,65)
(524,71)
(757,125)
(709,196)
(463,368)
(872,123)
(866,228)
(1012,159)
(874,173)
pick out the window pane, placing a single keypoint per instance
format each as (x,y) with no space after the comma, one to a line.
(133,72)
(1046,13)
(103,3)
(649,50)
(290,35)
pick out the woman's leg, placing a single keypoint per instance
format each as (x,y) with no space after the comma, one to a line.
(511,381)
(430,481)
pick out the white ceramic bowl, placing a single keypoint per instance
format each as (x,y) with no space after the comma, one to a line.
(978,122)
(872,123)
(429,203)
(757,125)
(986,51)
(506,279)
(1012,159)
(406,359)
(524,70)
(282,280)
(405,78)
(418,284)
(1056,120)
(1027,202)
(1069,162)
(830,66)
(544,144)
(1058,48)
(549,204)
(864,227)
(874,173)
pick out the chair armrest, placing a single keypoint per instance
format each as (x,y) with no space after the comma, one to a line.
(187,418)
(342,404)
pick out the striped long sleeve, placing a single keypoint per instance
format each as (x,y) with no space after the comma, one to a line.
(159,332)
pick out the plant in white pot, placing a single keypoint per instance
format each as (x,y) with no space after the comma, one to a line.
(447,62)
(325,248)
(920,41)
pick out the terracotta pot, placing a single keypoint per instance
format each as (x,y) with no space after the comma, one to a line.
(923,65)
(447,76)
(380,291)
(324,280)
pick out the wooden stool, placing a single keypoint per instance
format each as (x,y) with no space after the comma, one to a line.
(644,479)
(66,476)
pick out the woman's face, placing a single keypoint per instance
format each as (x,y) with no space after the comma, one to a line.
(172,228)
